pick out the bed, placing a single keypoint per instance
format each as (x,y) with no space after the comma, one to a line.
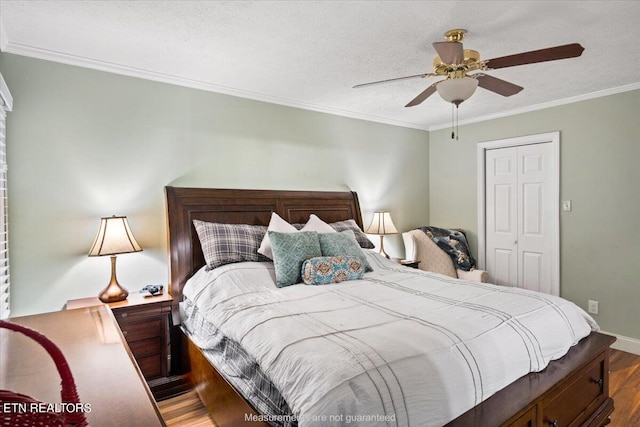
(572,390)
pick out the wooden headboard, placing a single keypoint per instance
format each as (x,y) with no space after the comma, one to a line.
(240,207)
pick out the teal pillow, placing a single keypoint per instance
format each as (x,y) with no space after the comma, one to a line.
(334,269)
(290,250)
(342,244)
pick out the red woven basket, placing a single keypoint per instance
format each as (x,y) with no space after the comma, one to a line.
(69,393)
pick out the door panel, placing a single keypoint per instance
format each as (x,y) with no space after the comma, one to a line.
(532,270)
(532,209)
(502,271)
(502,215)
(505,196)
(534,238)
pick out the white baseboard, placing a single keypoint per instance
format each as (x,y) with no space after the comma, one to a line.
(630,345)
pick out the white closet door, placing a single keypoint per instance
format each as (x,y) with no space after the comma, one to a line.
(502,216)
(518,216)
(534,226)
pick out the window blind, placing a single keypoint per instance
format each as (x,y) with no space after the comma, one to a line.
(5,284)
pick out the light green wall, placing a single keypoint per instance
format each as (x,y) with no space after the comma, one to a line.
(85,144)
(599,172)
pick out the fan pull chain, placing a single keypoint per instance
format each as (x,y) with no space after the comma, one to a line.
(454,123)
(453,134)
(457,123)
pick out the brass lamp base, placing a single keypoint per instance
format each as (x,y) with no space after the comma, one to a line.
(113,292)
(382,252)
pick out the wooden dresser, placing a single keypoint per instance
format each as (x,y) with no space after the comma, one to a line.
(103,368)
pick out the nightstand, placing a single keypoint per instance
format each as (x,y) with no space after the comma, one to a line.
(144,322)
(408,263)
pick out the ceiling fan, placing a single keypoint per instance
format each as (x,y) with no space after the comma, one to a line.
(454,63)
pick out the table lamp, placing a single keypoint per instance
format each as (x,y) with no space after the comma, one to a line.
(381,225)
(114,237)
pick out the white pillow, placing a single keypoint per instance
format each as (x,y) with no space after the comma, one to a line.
(276,223)
(317,225)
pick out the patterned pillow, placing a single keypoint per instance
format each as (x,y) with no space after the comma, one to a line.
(324,270)
(226,243)
(342,244)
(276,223)
(350,224)
(290,250)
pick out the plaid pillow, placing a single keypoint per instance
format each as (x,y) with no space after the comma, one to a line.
(350,224)
(226,243)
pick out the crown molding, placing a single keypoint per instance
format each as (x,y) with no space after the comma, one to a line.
(544,105)
(49,55)
(4,41)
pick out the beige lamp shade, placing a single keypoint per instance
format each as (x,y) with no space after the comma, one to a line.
(381,224)
(114,237)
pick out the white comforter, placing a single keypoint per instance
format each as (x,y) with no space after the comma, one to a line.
(402,347)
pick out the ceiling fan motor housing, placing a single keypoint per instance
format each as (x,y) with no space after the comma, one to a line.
(471,62)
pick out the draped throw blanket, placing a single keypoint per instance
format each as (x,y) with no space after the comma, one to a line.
(454,243)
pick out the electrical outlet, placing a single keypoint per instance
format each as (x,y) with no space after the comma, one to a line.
(593,307)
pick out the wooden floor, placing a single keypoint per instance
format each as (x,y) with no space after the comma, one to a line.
(185,410)
(624,388)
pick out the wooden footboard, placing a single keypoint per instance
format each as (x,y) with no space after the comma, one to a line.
(572,391)
(225,405)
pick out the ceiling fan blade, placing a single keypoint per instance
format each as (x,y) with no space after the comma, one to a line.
(499,86)
(550,54)
(423,95)
(395,80)
(450,52)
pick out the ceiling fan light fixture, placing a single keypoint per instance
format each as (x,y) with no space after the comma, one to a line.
(457,90)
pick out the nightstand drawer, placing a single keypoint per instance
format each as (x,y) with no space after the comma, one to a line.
(144,348)
(151,366)
(131,315)
(142,330)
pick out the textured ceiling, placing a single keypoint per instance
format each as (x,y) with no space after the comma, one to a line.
(309,54)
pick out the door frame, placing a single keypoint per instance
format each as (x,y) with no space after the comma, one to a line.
(550,137)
